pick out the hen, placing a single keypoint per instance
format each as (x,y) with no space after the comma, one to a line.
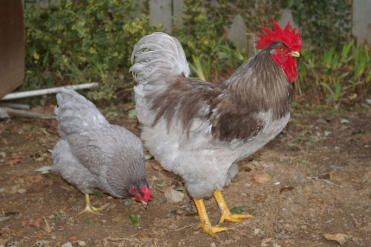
(198,129)
(92,153)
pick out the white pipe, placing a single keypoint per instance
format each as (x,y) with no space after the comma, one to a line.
(46,91)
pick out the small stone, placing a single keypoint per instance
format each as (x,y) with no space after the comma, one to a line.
(212,244)
(174,196)
(21,191)
(127,202)
(327,133)
(81,243)
(344,121)
(67,244)
(41,243)
(338,237)
(257,231)
(262,178)
(148,157)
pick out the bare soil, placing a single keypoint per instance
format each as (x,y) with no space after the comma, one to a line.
(313,179)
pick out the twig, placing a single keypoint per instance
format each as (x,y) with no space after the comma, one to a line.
(46,91)
(47,226)
(22,113)
(184,227)
(17,106)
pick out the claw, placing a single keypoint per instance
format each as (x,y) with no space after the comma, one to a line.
(89,208)
(233,217)
(205,222)
(226,214)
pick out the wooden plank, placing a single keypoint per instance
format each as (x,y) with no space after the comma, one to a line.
(12,45)
(160,12)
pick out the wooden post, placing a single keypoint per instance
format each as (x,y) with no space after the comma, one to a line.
(361,26)
(160,12)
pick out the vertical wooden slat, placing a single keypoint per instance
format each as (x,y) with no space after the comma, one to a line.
(160,12)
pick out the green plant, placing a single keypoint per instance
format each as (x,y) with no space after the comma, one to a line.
(203,34)
(82,41)
(202,70)
(337,75)
(324,23)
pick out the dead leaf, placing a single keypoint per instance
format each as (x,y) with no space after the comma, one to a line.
(35,222)
(72,238)
(12,162)
(156,166)
(47,227)
(338,237)
(286,189)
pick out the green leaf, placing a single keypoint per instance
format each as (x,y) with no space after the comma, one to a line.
(134,219)
(132,113)
(43,169)
(237,210)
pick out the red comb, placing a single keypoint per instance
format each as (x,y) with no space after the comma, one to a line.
(290,38)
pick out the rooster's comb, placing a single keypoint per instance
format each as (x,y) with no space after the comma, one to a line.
(290,38)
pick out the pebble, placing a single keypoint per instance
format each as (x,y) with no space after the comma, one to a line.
(212,244)
(41,243)
(344,121)
(174,195)
(81,243)
(22,191)
(127,202)
(68,244)
(262,178)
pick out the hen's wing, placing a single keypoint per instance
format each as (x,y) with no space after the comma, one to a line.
(113,154)
(70,168)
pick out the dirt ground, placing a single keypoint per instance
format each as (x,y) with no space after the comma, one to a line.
(313,179)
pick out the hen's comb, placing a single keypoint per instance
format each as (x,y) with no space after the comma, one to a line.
(290,38)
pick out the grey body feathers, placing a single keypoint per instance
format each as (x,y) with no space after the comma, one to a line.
(92,153)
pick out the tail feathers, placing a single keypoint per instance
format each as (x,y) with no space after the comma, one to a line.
(76,114)
(157,55)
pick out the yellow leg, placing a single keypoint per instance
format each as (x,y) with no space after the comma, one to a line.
(226,214)
(89,208)
(205,222)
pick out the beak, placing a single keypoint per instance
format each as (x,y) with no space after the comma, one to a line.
(295,54)
(144,203)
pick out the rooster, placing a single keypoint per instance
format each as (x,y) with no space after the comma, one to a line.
(92,153)
(198,129)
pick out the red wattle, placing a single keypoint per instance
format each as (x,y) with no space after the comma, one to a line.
(288,65)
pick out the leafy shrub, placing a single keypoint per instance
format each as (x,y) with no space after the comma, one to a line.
(336,76)
(82,41)
(324,23)
(203,34)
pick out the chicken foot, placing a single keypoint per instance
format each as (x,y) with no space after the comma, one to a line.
(89,208)
(226,214)
(204,218)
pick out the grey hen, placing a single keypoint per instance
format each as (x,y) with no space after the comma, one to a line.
(92,153)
